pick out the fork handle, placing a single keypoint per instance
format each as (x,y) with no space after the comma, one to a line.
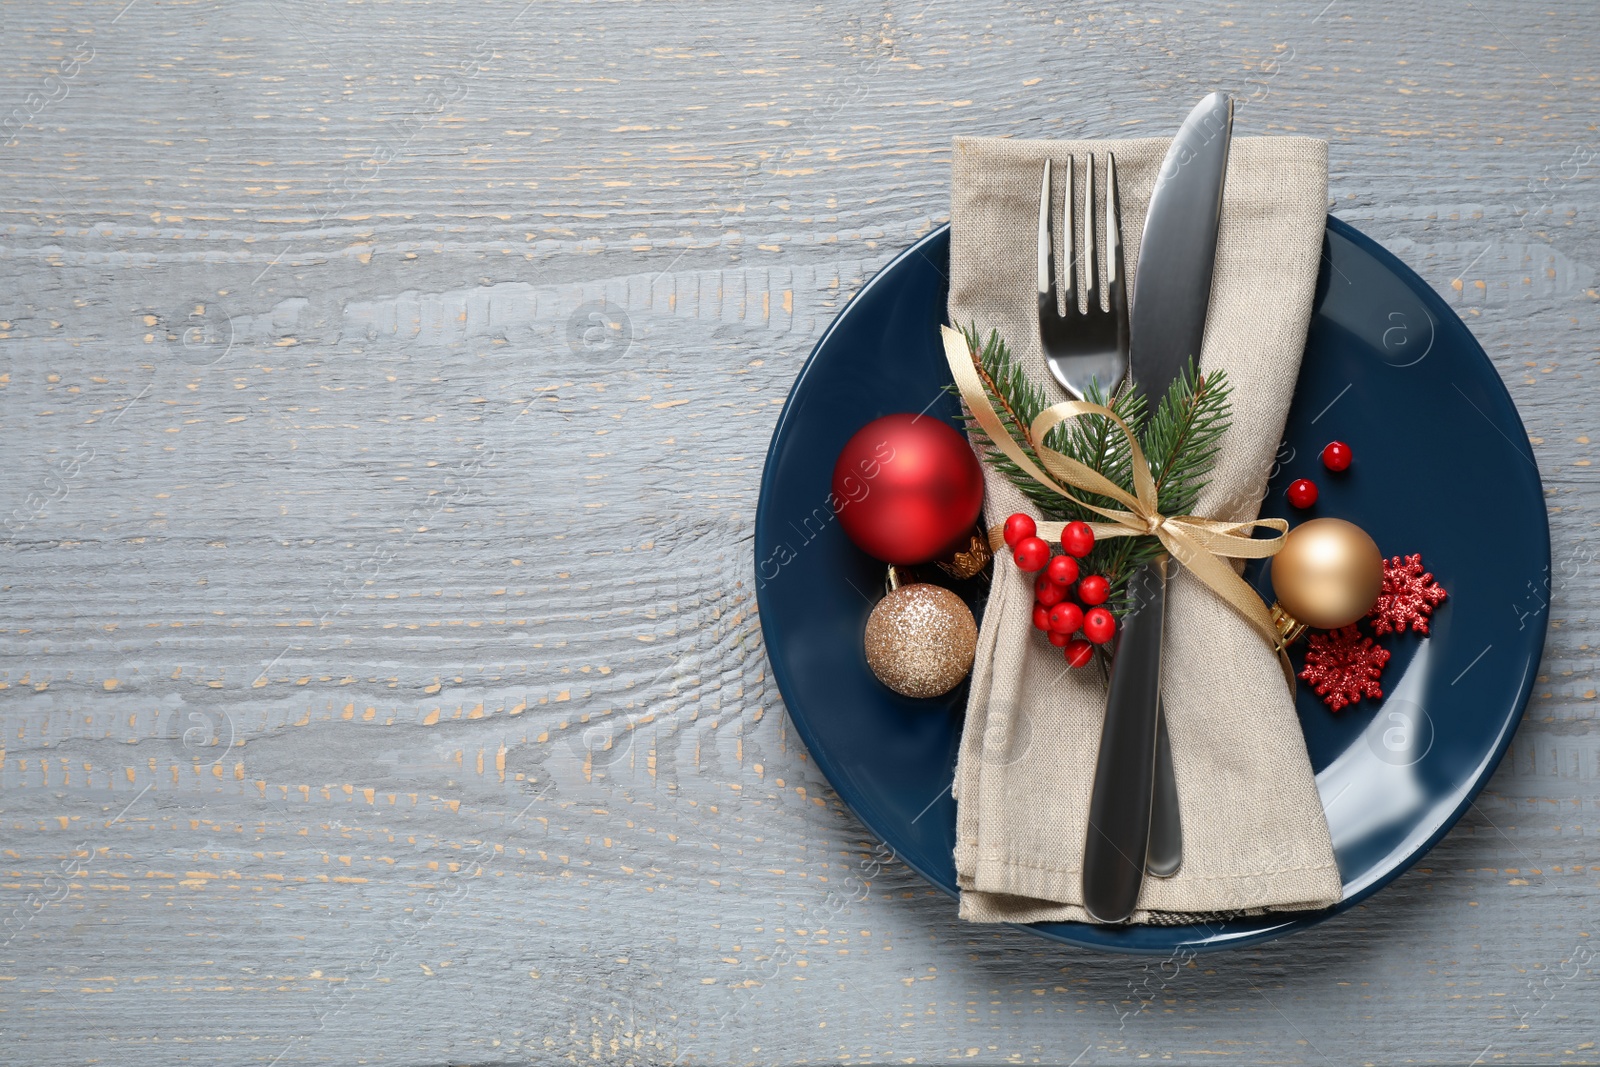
(1118,835)
(1165,854)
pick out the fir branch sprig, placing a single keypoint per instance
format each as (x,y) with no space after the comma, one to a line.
(1180,444)
(1181,440)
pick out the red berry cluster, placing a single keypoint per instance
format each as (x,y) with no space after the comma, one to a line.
(1054,612)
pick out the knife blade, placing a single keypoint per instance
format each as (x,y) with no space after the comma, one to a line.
(1172,292)
(1172,288)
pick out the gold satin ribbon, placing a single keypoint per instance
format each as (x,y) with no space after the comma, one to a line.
(1199,544)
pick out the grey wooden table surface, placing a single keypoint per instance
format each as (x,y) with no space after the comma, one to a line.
(385,392)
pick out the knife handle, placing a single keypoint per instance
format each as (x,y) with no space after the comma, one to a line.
(1118,836)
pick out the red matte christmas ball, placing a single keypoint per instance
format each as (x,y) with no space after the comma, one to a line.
(907,489)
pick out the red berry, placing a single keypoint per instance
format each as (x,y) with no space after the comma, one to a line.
(1047,592)
(1063,571)
(1066,618)
(1093,590)
(1337,456)
(1302,492)
(1098,625)
(1019,526)
(1031,553)
(1077,539)
(1078,652)
(1041,618)
(1059,640)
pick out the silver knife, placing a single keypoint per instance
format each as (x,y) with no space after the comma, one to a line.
(1172,290)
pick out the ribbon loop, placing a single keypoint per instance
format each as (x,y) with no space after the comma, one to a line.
(1199,544)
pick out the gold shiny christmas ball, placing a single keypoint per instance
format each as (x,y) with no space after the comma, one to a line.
(1328,573)
(920,640)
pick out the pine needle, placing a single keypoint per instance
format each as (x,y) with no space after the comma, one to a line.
(1181,441)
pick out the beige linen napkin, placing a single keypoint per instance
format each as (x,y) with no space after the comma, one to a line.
(1255,838)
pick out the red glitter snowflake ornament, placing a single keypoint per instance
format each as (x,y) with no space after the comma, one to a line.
(1408,597)
(1343,665)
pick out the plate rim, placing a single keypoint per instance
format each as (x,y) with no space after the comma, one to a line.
(1292,922)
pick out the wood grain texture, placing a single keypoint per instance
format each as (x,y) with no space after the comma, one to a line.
(381,678)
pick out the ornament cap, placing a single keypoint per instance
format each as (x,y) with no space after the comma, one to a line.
(1289,627)
(967,562)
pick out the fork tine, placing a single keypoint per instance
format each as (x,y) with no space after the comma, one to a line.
(1091,245)
(1067,241)
(1047,259)
(1086,351)
(1114,275)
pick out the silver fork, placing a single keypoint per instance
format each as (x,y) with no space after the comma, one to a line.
(1091,345)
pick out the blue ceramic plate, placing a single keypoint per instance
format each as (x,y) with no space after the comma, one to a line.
(1388,368)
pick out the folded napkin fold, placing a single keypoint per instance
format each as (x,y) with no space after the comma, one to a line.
(1255,838)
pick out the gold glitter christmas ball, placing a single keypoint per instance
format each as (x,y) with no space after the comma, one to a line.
(1328,573)
(920,640)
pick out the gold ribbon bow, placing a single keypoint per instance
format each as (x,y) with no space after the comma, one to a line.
(1199,544)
